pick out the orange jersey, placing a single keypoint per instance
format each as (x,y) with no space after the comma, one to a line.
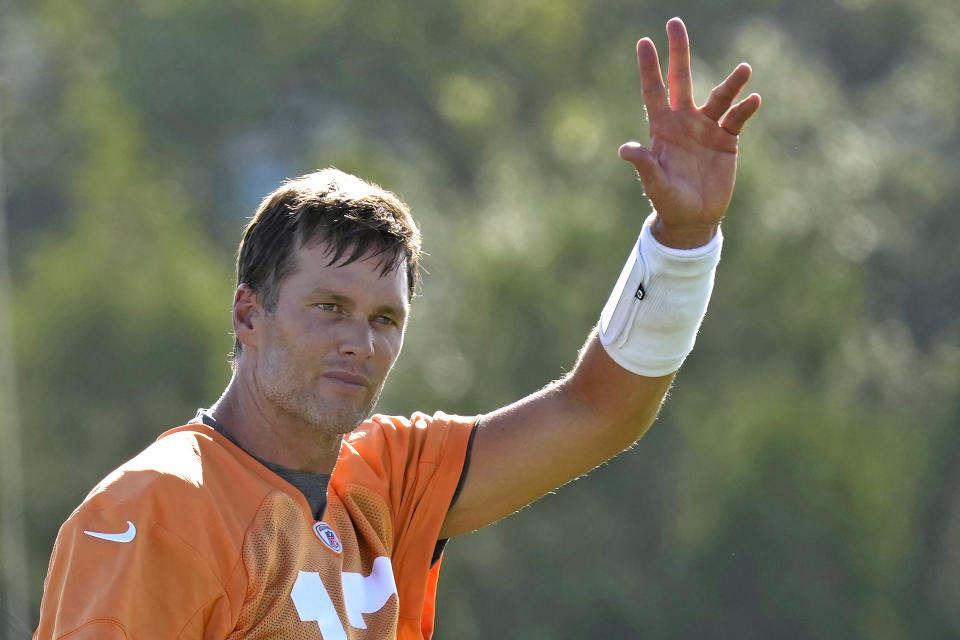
(194,538)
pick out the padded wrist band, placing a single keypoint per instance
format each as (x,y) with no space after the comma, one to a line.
(651,319)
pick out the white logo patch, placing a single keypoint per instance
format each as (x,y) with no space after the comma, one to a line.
(328,536)
(126,536)
(361,594)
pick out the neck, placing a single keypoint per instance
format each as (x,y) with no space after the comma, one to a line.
(270,433)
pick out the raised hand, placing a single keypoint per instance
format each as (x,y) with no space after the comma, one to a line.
(690,167)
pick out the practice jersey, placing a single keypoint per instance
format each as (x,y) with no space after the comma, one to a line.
(194,538)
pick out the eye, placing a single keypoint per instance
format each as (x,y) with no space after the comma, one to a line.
(385,320)
(328,306)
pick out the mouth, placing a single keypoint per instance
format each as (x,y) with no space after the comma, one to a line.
(348,379)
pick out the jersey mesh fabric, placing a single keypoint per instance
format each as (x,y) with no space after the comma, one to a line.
(273,550)
(376,525)
(222,542)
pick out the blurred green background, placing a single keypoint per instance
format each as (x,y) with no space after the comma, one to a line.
(803,480)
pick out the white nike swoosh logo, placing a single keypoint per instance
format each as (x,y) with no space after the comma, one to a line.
(126,536)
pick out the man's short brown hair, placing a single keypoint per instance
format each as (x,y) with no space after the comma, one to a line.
(356,218)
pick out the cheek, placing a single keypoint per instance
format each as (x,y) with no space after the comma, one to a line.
(389,350)
(395,343)
(307,336)
(292,347)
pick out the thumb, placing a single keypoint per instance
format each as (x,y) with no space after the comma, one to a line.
(644,162)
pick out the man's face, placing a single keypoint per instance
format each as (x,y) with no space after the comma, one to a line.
(335,333)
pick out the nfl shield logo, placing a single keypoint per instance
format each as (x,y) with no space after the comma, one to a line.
(328,536)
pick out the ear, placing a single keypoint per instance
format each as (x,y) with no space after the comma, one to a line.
(247,313)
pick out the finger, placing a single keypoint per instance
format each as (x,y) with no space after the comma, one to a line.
(651,80)
(679,78)
(724,93)
(737,116)
(645,163)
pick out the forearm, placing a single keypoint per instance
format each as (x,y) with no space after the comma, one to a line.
(543,441)
(618,401)
(650,322)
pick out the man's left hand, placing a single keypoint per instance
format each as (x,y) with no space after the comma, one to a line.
(690,167)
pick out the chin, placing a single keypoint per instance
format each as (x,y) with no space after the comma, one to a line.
(334,422)
(332,414)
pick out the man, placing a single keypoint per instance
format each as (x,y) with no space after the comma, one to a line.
(283,510)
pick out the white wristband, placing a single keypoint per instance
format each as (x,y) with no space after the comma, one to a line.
(651,319)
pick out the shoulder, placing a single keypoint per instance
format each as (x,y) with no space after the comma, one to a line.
(151,547)
(392,451)
(418,438)
(188,473)
(418,425)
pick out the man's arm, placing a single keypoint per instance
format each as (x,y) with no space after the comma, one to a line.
(526,449)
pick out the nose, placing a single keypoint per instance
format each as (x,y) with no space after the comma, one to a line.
(357,339)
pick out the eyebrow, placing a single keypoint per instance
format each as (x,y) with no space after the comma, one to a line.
(339,298)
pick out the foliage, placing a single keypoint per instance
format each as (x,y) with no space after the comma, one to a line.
(802,481)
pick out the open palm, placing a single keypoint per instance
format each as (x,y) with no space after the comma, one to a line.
(689,169)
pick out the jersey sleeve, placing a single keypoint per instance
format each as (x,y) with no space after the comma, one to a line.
(417,464)
(116,573)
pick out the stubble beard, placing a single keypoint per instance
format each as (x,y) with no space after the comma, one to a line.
(298,395)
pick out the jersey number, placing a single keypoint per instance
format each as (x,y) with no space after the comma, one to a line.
(360,595)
